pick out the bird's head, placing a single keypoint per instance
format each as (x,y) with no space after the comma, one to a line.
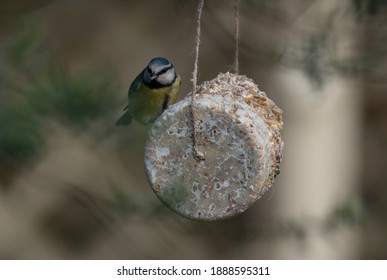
(159,73)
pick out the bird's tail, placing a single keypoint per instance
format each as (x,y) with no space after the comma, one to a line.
(125,119)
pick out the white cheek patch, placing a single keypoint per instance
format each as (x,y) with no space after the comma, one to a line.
(166,78)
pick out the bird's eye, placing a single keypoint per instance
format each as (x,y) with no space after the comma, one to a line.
(149,70)
(163,71)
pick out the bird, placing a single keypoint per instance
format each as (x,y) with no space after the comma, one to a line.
(153,90)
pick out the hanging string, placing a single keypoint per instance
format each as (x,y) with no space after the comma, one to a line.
(199,155)
(236,37)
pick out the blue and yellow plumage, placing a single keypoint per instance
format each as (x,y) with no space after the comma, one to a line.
(154,89)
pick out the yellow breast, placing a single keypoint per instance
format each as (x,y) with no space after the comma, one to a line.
(146,104)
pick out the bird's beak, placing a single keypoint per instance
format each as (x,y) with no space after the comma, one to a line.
(153,77)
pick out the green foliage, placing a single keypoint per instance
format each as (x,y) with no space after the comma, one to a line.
(24,46)
(368,7)
(77,100)
(20,133)
(33,93)
(349,212)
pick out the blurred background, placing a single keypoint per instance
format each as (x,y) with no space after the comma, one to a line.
(73,186)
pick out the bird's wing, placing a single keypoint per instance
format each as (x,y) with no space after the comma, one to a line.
(135,84)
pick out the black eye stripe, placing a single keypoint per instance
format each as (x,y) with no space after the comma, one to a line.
(164,70)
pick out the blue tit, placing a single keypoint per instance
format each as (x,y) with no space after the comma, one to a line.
(154,89)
